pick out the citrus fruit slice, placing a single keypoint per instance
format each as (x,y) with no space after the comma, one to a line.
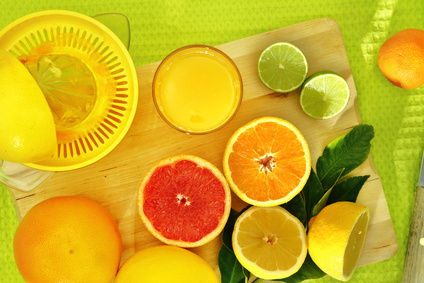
(184,201)
(282,67)
(267,161)
(336,237)
(67,239)
(269,242)
(166,264)
(324,95)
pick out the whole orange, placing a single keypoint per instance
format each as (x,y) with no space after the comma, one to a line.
(67,239)
(401,58)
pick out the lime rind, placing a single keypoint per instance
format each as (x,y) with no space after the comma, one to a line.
(324,95)
(282,67)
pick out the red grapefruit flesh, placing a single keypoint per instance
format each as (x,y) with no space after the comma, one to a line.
(184,201)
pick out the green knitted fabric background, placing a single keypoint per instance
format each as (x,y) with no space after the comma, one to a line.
(160,26)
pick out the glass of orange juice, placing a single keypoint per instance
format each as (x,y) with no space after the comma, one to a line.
(197,89)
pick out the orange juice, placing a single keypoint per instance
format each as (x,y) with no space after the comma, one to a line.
(197,89)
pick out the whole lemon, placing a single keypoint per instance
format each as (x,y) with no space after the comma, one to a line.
(27,129)
(67,239)
(164,263)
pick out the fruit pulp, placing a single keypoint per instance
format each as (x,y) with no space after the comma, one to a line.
(68,85)
(324,95)
(282,67)
(76,82)
(197,89)
(184,201)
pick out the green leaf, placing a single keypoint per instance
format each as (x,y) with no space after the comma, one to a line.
(227,234)
(322,203)
(348,189)
(296,206)
(333,179)
(324,200)
(230,268)
(312,192)
(348,152)
(308,271)
(246,274)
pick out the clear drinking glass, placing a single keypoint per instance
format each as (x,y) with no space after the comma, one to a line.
(197,89)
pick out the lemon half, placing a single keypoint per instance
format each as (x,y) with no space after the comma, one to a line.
(27,129)
(336,238)
(269,242)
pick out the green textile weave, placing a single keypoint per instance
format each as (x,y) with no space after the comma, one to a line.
(160,26)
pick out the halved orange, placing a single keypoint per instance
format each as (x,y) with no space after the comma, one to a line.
(184,201)
(267,161)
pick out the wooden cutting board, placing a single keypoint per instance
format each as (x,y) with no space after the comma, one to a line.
(114,180)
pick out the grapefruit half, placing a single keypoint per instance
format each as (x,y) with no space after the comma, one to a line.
(184,201)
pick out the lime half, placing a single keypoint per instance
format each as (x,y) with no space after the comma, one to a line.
(324,95)
(282,67)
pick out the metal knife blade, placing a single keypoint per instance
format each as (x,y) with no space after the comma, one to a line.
(413,270)
(421,179)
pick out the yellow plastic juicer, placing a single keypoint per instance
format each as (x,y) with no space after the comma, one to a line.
(86,75)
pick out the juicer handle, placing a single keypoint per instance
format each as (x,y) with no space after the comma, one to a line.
(118,24)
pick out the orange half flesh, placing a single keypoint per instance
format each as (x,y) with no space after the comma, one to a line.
(267,161)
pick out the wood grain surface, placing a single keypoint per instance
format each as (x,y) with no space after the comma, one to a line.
(113,181)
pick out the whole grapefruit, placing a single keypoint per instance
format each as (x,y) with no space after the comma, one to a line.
(67,239)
